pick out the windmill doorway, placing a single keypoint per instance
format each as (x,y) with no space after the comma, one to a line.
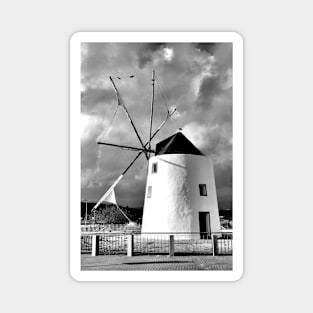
(205,225)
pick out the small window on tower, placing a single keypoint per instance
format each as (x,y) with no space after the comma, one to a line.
(149,193)
(154,168)
(203,191)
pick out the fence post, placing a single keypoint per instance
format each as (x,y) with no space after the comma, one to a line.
(130,245)
(172,249)
(214,245)
(95,245)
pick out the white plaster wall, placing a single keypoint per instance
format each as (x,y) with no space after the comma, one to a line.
(176,200)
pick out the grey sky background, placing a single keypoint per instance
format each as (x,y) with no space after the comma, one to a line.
(194,78)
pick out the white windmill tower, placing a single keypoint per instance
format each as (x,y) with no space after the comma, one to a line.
(180,190)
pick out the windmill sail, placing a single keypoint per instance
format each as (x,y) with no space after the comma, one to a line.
(109,196)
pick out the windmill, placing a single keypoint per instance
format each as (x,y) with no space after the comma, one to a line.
(180,189)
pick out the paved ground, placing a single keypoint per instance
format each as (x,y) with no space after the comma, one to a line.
(155,263)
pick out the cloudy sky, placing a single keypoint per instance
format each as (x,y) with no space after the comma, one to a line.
(194,78)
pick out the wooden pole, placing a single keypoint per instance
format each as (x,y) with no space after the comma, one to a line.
(95,245)
(125,147)
(128,115)
(128,219)
(172,246)
(130,245)
(151,112)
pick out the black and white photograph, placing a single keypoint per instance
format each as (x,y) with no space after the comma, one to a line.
(156,156)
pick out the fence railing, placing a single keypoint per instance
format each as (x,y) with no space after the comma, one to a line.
(85,244)
(108,228)
(157,243)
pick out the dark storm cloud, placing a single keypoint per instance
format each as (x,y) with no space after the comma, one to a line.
(145,53)
(195,78)
(209,89)
(208,47)
(223,173)
(223,180)
(216,84)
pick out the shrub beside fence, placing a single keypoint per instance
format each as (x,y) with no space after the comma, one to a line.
(158,243)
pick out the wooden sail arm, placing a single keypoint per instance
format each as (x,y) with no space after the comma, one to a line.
(151,111)
(126,147)
(129,117)
(128,219)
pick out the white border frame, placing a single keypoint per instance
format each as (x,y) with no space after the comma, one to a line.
(75,162)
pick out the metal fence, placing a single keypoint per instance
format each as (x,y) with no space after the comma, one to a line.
(113,244)
(159,243)
(195,244)
(151,244)
(225,243)
(85,244)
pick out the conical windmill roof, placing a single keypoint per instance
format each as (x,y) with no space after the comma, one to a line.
(176,144)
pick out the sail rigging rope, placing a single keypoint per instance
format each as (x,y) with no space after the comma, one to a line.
(162,94)
(165,102)
(117,157)
(107,129)
(104,134)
